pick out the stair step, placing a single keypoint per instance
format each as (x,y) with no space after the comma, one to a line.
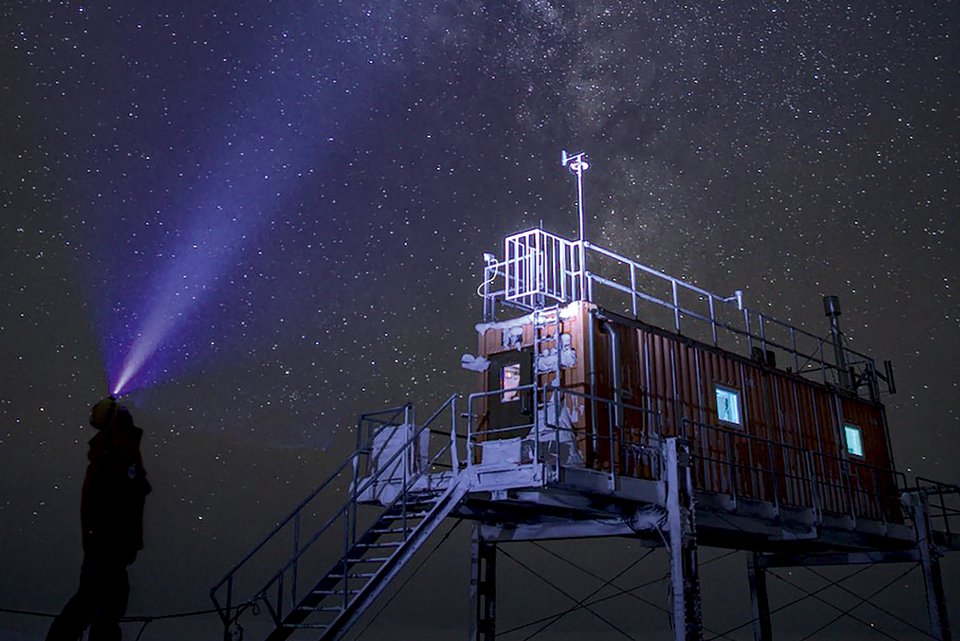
(369,546)
(418,507)
(319,608)
(331,592)
(419,499)
(305,626)
(372,559)
(410,515)
(422,497)
(356,575)
(396,530)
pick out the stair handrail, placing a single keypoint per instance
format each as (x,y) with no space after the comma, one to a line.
(343,512)
(224,610)
(941,512)
(408,485)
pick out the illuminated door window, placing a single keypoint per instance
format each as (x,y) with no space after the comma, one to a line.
(728,406)
(509,382)
(854,439)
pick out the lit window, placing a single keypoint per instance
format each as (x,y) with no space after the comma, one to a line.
(728,406)
(509,381)
(854,439)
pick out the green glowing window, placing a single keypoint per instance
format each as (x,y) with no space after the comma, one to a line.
(728,406)
(854,439)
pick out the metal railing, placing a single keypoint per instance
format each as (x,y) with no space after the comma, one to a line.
(354,477)
(626,439)
(943,504)
(620,448)
(542,268)
(742,466)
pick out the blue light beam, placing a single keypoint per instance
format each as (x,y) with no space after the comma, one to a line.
(191,274)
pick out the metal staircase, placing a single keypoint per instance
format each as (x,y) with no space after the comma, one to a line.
(345,592)
(402,481)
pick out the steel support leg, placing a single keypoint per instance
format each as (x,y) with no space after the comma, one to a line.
(684,580)
(483,587)
(757,577)
(930,562)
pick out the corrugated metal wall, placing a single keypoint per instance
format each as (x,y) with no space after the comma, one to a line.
(789,448)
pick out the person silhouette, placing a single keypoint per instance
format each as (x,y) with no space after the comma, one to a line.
(111,517)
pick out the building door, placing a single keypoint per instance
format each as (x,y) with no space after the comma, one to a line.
(509,372)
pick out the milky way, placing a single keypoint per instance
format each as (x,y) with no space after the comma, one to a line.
(285,205)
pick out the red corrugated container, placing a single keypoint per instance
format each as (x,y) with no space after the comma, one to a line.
(789,447)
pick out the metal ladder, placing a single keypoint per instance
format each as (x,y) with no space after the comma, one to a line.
(409,491)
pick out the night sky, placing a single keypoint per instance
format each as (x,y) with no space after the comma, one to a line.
(268,217)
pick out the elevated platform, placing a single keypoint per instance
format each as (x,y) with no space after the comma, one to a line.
(580,504)
(407,476)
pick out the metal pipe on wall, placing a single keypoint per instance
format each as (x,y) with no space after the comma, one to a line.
(617,427)
(593,379)
(607,328)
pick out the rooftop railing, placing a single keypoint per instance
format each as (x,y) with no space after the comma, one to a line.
(540,268)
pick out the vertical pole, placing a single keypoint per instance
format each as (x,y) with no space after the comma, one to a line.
(483,587)
(592,425)
(676,305)
(816,500)
(364,448)
(487,303)
(796,354)
(762,324)
(930,562)
(713,321)
(577,163)
(684,580)
(228,612)
(562,257)
(534,393)
(579,167)
(410,428)
(296,559)
(734,494)
(843,462)
(344,559)
(539,265)
(454,454)
(831,308)
(757,577)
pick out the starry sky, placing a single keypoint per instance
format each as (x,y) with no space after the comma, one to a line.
(277,211)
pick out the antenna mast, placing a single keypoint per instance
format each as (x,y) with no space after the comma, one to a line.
(578,164)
